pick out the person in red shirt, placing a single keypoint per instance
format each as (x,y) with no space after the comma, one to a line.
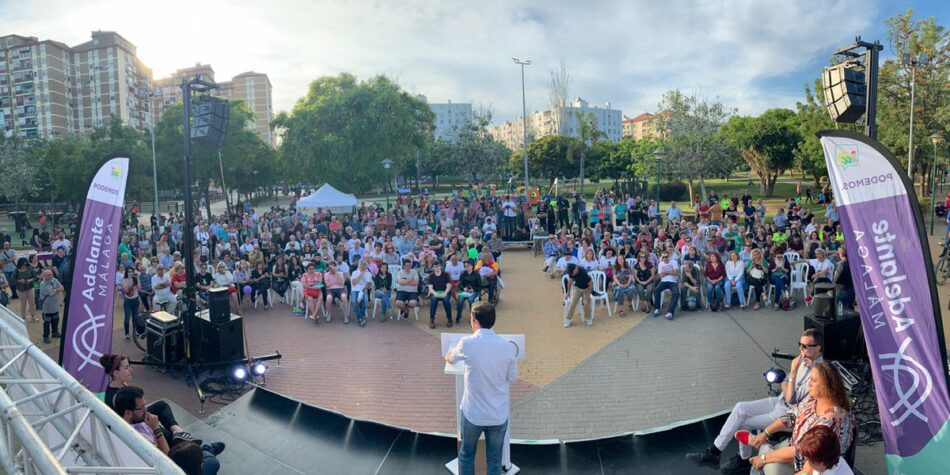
(715,274)
(178,277)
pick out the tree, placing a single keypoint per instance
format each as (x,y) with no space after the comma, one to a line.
(912,37)
(587,134)
(342,129)
(552,156)
(811,117)
(767,143)
(689,126)
(559,93)
(20,175)
(475,152)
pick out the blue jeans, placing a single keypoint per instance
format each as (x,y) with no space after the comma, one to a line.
(714,293)
(131,308)
(434,304)
(385,299)
(780,283)
(740,285)
(461,303)
(494,442)
(359,304)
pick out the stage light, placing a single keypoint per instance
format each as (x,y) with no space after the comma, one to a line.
(773,375)
(239,374)
(258,369)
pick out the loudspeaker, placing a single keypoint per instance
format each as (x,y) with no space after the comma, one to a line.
(841,336)
(164,341)
(210,125)
(219,302)
(219,342)
(845,92)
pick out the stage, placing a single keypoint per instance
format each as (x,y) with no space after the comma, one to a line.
(618,380)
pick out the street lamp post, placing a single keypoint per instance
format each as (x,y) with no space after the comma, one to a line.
(935,139)
(913,62)
(658,154)
(151,118)
(524,122)
(387,163)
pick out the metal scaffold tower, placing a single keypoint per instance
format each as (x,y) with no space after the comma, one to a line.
(51,424)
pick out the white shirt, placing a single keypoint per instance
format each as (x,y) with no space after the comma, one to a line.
(668,267)
(166,293)
(359,280)
(454,270)
(841,469)
(564,261)
(823,265)
(509,207)
(491,364)
(734,270)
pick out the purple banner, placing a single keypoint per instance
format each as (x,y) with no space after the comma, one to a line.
(89,313)
(893,283)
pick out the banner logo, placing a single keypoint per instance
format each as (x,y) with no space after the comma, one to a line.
(904,407)
(88,333)
(846,155)
(116,173)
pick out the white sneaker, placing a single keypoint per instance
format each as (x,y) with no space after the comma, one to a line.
(590,322)
(567,322)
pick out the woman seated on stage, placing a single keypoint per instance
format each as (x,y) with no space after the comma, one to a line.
(120,375)
(826,405)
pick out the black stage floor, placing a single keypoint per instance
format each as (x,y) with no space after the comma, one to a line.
(268,433)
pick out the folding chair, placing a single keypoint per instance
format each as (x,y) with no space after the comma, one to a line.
(798,281)
(599,293)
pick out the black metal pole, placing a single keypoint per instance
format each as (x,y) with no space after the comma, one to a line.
(189,231)
(871,51)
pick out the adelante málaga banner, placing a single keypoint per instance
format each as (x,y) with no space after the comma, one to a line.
(89,302)
(897,297)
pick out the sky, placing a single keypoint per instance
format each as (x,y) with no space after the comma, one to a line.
(752,55)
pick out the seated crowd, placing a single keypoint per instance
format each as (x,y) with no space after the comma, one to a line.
(714,259)
(445,251)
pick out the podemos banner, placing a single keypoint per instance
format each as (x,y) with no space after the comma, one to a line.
(894,285)
(89,313)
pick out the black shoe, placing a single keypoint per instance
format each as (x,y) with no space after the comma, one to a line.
(736,465)
(45,339)
(57,335)
(706,457)
(215,448)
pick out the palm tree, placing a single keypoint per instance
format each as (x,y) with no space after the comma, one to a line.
(587,134)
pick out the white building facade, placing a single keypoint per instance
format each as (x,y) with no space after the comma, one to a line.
(561,121)
(450,117)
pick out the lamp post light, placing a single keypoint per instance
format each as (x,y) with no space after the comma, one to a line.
(935,139)
(387,164)
(659,154)
(912,62)
(524,122)
(150,95)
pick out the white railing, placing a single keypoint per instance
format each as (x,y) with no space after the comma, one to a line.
(51,424)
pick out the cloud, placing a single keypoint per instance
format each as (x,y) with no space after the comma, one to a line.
(752,54)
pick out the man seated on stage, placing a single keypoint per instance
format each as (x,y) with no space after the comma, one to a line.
(131,405)
(757,415)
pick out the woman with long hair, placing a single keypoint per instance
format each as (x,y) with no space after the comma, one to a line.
(624,285)
(715,274)
(735,279)
(826,405)
(757,271)
(644,275)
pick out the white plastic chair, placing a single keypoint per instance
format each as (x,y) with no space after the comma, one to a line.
(599,293)
(799,280)
(791,256)
(700,283)
(566,296)
(769,294)
(295,293)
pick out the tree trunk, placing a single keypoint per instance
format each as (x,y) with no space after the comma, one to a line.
(689,188)
(702,187)
(207,199)
(581,181)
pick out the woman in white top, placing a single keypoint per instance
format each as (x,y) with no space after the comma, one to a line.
(361,284)
(224,278)
(589,261)
(735,278)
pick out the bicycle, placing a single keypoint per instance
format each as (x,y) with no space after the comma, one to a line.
(942,268)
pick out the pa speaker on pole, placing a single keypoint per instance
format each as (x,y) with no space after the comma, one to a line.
(210,121)
(845,92)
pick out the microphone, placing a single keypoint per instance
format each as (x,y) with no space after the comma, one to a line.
(783,356)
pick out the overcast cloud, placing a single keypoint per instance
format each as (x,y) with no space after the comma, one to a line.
(752,54)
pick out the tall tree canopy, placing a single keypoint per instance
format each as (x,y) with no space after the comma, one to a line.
(767,143)
(342,129)
(550,157)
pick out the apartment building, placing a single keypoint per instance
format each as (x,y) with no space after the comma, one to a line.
(48,89)
(450,117)
(561,121)
(645,125)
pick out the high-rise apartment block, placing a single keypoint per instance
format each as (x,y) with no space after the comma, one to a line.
(450,117)
(48,89)
(253,88)
(561,121)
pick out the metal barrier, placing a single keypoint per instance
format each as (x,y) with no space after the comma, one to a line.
(51,424)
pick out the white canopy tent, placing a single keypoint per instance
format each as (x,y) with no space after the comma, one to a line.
(327,197)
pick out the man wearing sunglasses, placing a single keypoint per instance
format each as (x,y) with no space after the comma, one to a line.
(757,415)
